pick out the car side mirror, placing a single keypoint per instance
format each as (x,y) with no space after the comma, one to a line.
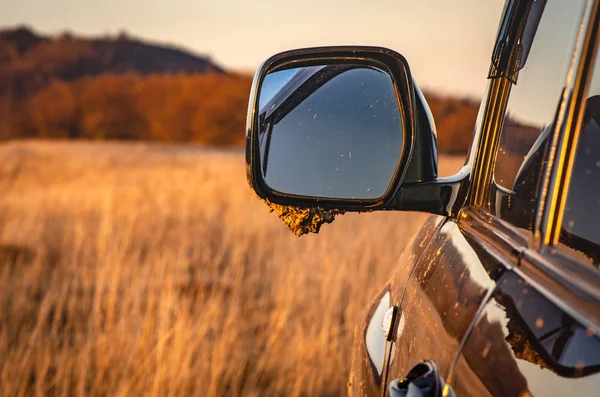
(342,128)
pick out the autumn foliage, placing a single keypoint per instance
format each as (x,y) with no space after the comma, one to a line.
(202,108)
(208,108)
(115,88)
(126,89)
(455,122)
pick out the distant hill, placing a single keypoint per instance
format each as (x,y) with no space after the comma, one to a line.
(121,88)
(29,60)
(70,87)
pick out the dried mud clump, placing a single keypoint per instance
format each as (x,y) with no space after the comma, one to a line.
(304,220)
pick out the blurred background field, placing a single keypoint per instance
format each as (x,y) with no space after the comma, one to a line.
(149,269)
(139,268)
(134,258)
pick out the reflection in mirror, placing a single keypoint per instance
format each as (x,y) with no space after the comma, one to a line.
(331,131)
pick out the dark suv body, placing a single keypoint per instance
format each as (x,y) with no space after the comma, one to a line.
(500,289)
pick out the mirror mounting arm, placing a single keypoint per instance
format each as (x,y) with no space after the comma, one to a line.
(443,196)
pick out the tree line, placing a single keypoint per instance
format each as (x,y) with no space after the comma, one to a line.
(68,87)
(202,108)
(207,109)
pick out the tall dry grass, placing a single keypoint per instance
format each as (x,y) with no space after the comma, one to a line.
(152,270)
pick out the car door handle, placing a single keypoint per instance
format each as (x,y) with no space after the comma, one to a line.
(423,380)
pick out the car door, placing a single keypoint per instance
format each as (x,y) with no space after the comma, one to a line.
(452,280)
(458,276)
(538,332)
(444,293)
(371,350)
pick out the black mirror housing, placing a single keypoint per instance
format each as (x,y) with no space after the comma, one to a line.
(416,156)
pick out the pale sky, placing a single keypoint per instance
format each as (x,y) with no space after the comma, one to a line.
(448,43)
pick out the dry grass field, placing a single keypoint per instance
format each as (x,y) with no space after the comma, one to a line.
(137,269)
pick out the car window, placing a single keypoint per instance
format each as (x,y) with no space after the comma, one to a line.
(581,217)
(532,107)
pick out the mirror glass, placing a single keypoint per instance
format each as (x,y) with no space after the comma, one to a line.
(330,131)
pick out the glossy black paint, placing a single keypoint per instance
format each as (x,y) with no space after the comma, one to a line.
(364,381)
(444,293)
(524,344)
(443,196)
(423,166)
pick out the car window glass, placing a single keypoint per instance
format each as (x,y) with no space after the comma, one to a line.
(532,107)
(581,218)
